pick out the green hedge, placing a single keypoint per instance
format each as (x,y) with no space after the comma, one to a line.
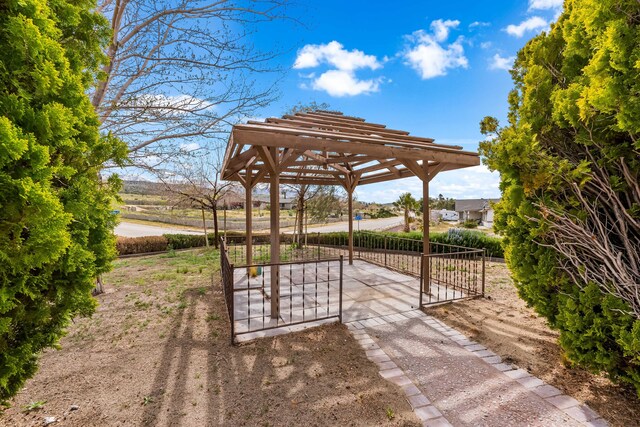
(145,244)
(139,245)
(470,239)
(412,241)
(185,241)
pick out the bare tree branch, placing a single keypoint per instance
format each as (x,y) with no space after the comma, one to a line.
(196,183)
(181,72)
(599,240)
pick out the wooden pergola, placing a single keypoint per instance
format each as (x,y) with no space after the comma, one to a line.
(329,148)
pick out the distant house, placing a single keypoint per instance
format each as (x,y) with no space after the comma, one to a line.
(263,200)
(480,210)
(232,200)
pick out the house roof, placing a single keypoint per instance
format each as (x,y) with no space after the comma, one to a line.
(330,148)
(266,199)
(474,204)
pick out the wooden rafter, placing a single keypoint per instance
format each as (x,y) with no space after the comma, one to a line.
(309,123)
(323,161)
(329,148)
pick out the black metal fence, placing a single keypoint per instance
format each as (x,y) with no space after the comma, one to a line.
(307,291)
(310,275)
(307,247)
(396,253)
(226,271)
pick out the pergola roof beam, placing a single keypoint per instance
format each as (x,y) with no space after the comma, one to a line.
(369,127)
(267,159)
(343,126)
(349,138)
(323,160)
(381,165)
(334,114)
(327,148)
(385,176)
(318,141)
(241,161)
(313,123)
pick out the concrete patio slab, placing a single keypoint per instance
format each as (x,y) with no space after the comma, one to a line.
(368,291)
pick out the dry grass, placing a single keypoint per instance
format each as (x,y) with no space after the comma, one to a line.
(157,353)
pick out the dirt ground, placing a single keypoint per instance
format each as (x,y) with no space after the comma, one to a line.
(157,353)
(503,323)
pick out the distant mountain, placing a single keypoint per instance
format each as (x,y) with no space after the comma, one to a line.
(143,187)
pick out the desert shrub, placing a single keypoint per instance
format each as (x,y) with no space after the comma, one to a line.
(139,245)
(470,223)
(470,239)
(568,161)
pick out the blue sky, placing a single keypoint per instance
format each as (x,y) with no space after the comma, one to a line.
(432,68)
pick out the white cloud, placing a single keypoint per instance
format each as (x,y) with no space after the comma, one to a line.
(192,146)
(545,4)
(534,23)
(501,63)
(479,24)
(429,56)
(486,45)
(343,83)
(341,80)
(334,54)
(441,28)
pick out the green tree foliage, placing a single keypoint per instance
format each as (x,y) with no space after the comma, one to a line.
(55,226)
(570,166)
(408,204)
(328,200)
(439,202)
(442,202)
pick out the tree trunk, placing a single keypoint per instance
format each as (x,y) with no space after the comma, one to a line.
(99,289)
(204,226)
(406,221)
(215,225)
(300,218)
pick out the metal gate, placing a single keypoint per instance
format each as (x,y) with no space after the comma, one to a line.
(450,276)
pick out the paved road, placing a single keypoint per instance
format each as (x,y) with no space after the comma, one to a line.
(131,229)
(365,224)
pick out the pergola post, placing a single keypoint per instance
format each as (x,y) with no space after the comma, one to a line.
(274,210)
(248,208)
(349,182)
(350,204)
(426,249)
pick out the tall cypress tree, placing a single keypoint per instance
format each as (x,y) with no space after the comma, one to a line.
(55,225)
(569,160)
